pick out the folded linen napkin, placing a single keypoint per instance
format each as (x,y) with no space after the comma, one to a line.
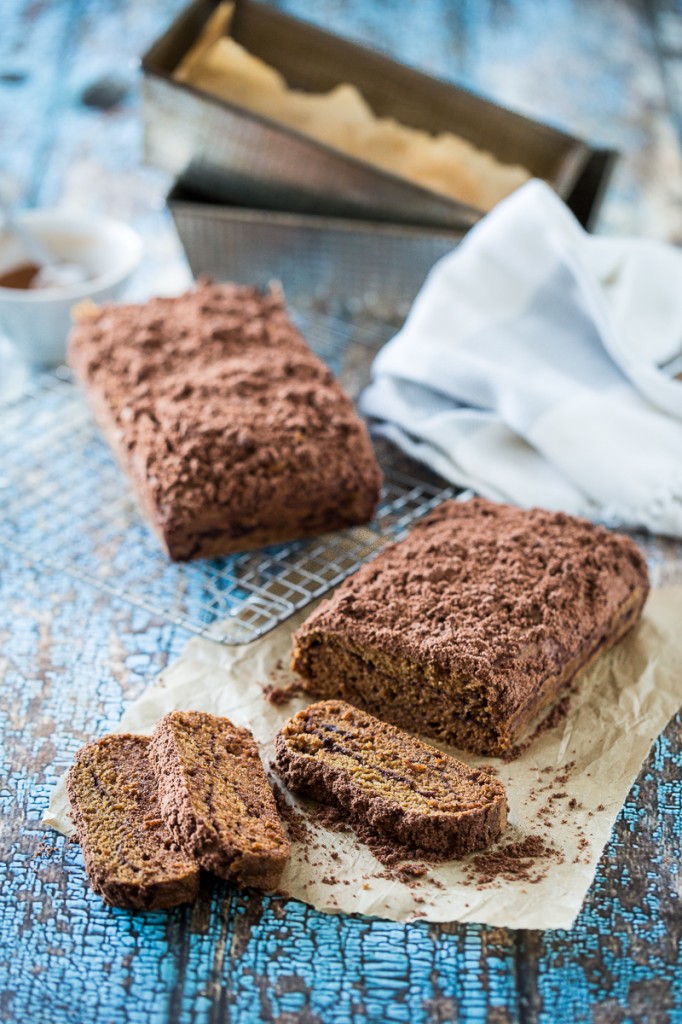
(528,368)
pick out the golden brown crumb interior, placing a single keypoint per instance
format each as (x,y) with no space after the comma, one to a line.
(125,840)
(392,765)
(226,784)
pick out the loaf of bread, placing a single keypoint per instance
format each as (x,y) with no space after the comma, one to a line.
(130,855)
(216,799)
(400,787)
(233,433)
(469,628)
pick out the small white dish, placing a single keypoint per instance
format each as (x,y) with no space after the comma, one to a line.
(37,321)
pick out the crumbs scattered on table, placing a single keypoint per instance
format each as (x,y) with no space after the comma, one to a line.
(44,850)
(514,862)
(563,778)
(400,862)
(280,695)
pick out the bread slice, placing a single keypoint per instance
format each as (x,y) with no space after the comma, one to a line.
(130,855)
(216,798)
(403,788)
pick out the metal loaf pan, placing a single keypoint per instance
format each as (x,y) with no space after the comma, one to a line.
(226,152)
(375,267)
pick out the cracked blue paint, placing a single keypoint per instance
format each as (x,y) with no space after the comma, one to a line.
(71,658)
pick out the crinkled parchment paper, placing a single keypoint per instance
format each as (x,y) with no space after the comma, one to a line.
(567,788)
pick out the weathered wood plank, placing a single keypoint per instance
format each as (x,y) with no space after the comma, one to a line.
(34,42)
(70,658)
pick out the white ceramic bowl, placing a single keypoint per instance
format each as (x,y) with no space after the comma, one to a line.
(38,321)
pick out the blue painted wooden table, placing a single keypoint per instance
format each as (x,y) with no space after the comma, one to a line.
(71,657)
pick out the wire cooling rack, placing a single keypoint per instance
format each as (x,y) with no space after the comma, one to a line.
(65,504)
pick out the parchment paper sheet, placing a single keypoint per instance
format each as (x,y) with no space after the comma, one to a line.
(623,703)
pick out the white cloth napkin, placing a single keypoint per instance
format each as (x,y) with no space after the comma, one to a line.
(528,368)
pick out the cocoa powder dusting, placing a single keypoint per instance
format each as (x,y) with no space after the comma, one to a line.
(513,862)
(294,822)
(549,722)
(329,817)
(280,695)
(396,858)
(221,414)
(43,850)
